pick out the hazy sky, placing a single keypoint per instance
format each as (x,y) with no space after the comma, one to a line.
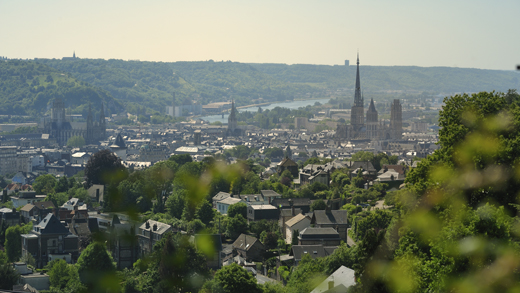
(460,33)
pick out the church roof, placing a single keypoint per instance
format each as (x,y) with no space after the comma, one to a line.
(372,107)
(119,141)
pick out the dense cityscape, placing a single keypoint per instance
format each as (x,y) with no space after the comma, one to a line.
(261,147)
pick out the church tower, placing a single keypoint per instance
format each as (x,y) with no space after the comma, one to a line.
(372,123)
(102,123)
(90,126)
(232,120)
(357,115)
(396,120)
(58,112)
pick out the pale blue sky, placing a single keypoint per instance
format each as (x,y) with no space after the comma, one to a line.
(464,33)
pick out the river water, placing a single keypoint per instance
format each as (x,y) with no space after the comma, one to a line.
(290,105)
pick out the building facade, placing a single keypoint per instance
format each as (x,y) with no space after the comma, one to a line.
(371,128)
(60,128)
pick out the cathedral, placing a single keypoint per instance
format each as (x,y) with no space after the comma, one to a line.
(60,128)
(232,127)
(371,128)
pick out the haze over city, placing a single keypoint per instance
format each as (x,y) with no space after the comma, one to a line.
(476,34)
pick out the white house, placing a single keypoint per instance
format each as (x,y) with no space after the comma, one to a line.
(223,205)
(298,222)
(80,158)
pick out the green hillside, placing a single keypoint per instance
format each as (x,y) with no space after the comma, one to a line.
(396,78)
(28,88)
(152,84)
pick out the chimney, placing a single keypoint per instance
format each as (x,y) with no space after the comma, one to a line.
(155,227)
(331,283)
(147,225)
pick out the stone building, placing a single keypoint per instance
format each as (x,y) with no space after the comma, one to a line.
(371,128)
(150,233)
(50,240)
(61,128)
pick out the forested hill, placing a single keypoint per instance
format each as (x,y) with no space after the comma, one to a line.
(152,84)
(396,78)
(28,88)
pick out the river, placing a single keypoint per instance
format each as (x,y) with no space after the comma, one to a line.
(289,105)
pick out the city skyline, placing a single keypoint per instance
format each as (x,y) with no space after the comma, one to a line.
(473,34)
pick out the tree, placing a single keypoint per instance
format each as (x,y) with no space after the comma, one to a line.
(44,184)
(13,240)
(104,167)
(273,153)
(62,184)
(181,159)
(175,204)
(176,266)
(76,141)
(363,156)
(318,204)
(234,279)
(239,208)
(236,226)
(205,212)
(59,274)
(8,275)
(269,239)
(96,269)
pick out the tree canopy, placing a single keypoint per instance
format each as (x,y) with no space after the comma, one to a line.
(104,167)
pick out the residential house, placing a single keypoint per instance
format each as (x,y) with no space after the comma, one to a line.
(13,188)
(315,251)
(296,223)
(288,164)
(257,212)
(10,217)
(25,197)
(50,240)
(123,243)
(96,192)
(151,232)
(336,219)
(324,236)
(304,204)
(80,158)
(37,211)
(218,197)
(223,205)
(79,225)
(24,178)
(285,215)
(248,247)
(270,195)
(339,281)
(74,204)
(30,279)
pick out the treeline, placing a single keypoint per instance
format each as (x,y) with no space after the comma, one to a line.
(403,78)
(152,84)
(28,88)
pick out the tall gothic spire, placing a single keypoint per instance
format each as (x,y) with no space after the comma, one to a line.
(358,100)
(232,114)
